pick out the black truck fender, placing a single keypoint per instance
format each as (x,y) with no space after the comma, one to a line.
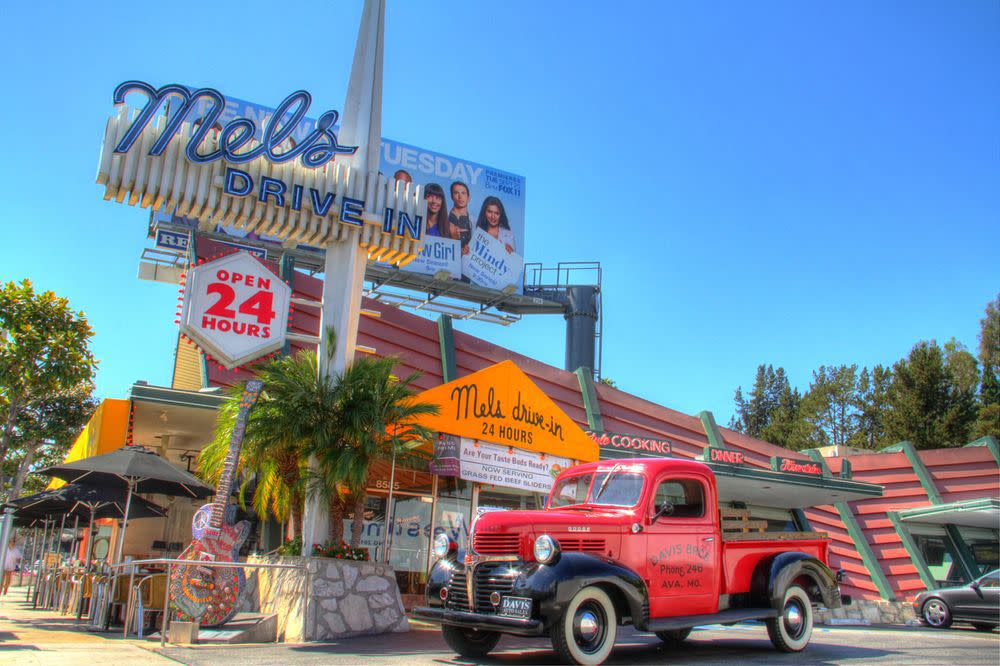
(773,575)
(553,586)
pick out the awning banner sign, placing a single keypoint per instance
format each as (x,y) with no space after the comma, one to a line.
(447,449)
(510,467)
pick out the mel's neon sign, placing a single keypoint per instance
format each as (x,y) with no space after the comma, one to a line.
(319,146)
(190,152)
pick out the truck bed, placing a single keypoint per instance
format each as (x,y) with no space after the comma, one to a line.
(745,543)
(740,556)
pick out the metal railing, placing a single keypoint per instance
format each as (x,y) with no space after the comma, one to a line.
(222,565)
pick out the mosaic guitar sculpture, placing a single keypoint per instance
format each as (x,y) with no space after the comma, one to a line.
(211,595)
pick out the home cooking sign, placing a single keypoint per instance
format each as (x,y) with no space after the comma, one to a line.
(253,178)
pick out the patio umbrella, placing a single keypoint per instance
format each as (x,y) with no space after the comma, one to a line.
(82,500)
(135,468)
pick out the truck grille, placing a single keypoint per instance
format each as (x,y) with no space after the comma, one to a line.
(458,596)
(495,544)
(583,545)
(492,577)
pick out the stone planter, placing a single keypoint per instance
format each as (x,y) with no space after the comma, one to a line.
(867,611)
(345,598)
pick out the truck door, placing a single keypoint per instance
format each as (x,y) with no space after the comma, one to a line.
(682,552)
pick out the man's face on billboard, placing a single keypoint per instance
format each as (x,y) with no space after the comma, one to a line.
(460,196)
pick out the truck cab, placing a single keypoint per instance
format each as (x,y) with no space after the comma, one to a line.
(634,541)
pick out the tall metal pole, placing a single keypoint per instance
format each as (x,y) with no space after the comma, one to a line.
(5,530)
(390,512)
(128,505)
(76,534)
(344,268)
(31,562)
(57,542)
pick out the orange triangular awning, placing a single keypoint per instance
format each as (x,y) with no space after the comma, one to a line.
(500,404)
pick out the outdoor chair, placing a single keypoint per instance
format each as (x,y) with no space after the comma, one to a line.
(146,596)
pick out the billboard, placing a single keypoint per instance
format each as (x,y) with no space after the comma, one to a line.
(474,226)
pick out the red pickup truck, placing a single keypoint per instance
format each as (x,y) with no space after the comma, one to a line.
(639,542)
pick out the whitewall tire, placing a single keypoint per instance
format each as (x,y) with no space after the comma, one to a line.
(792,629)
(586,632)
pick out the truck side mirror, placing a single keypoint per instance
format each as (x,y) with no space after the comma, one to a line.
(666,509)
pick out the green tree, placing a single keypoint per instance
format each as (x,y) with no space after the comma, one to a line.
(786,427)
(988,416)
(377,418)
(362,414)
(43,434)
(926,407)
(293,409)
(872,402)
(44,352)
(755,413)
(829,408)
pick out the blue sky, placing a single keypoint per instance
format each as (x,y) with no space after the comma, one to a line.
(773,182)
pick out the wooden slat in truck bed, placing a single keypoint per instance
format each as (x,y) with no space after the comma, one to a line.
(772,536)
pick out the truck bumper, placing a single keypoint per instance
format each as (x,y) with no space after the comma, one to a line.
(480,621)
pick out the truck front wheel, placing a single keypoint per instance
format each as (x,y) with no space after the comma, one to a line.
(792,629)
(470,642)
(586,632)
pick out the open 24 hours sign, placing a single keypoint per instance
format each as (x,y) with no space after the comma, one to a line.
(235,309)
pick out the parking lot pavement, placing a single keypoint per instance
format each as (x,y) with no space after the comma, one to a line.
(30,637)
(912,646)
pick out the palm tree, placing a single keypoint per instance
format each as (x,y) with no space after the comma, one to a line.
(294,409)
(363,414)
(378,419)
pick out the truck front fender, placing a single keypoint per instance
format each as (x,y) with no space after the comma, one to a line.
(772,577)
(555,585)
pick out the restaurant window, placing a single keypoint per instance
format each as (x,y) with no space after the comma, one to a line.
(985,548)
(453,513)
(499,498)
(941,558)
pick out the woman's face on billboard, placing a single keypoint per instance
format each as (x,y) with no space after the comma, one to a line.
(493,215)
(434,203)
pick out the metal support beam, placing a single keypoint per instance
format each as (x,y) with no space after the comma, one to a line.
(446,338)
(581,327)
(923,474)
(590,402)
(712,431)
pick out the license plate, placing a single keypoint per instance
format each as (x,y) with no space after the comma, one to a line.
(519,607)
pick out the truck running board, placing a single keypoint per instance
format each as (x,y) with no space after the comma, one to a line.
(724,617)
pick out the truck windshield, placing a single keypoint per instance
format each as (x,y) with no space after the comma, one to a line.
(571,490)
(611,488)
(616,488)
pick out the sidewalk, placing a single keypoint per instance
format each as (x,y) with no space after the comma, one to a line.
(29,636)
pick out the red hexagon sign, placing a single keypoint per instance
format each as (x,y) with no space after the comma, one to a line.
(235,309)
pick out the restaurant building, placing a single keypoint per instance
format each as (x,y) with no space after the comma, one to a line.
(509,423)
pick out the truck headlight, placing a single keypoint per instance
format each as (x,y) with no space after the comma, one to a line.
(546,549)
(442,545)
